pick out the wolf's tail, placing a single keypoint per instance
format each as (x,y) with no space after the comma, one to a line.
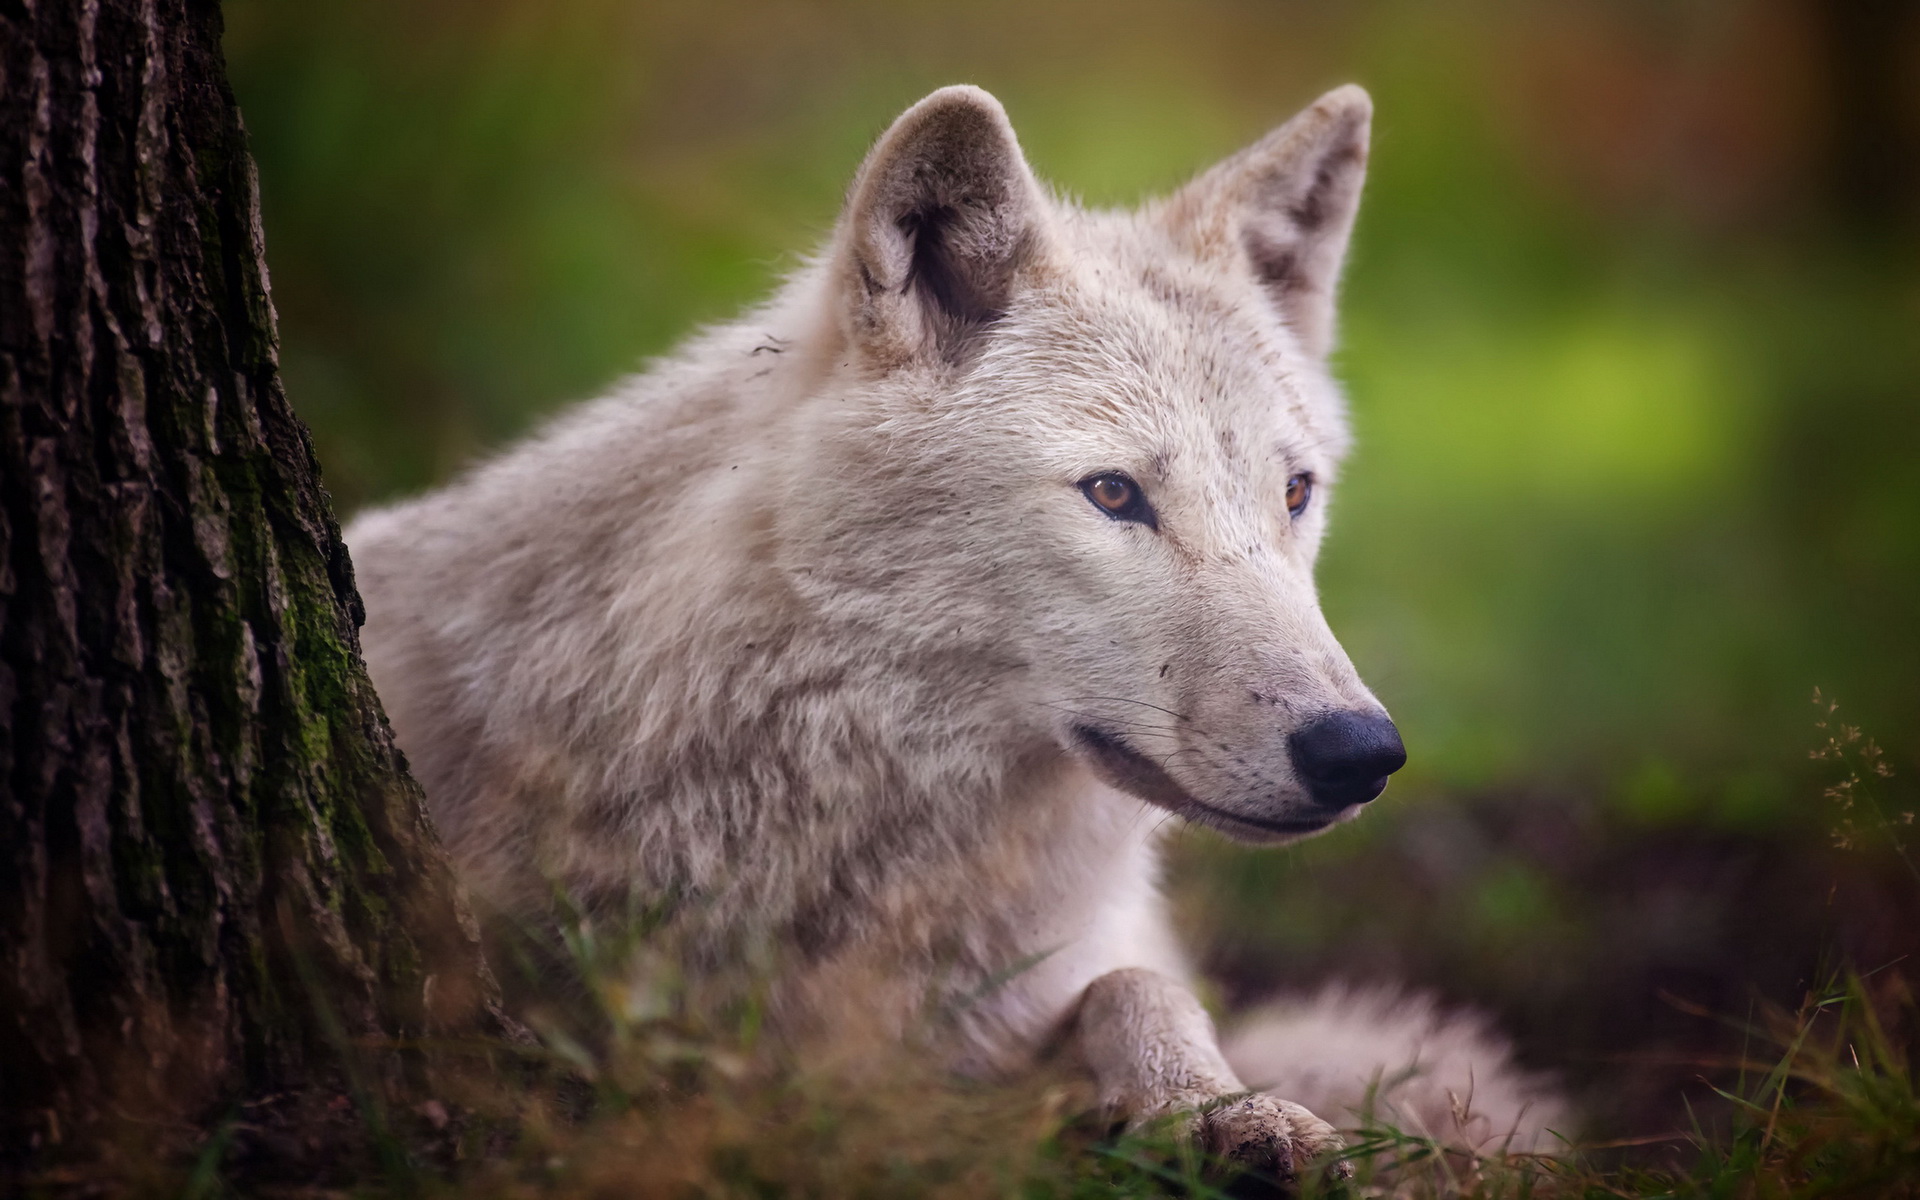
(1372,1057)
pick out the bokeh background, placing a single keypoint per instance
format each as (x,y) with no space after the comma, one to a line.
(1632,334)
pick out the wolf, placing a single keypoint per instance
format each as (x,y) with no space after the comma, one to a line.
(890,624)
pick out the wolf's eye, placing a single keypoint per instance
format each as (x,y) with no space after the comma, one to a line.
(1120,498)
(1299,491)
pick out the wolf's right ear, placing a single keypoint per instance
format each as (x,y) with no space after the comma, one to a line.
(940,219)
(1284,207)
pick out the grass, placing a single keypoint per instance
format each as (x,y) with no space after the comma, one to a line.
(1825,1106)
(640,1083)
(682,1107)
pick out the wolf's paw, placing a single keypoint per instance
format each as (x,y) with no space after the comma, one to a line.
(1274,1137)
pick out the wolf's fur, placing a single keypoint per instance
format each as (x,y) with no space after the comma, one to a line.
(1401,1061)
(811,628)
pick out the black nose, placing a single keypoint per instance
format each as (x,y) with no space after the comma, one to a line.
(1344,758)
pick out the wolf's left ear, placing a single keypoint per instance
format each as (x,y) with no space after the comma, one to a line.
(1285,207)
(941,217)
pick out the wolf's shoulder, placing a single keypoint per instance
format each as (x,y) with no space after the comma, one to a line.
(618,461)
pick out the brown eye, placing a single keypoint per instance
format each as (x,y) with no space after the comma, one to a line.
(1111,493)
(1299,491)
(1120,498)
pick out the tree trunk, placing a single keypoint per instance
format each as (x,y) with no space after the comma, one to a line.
(215,873)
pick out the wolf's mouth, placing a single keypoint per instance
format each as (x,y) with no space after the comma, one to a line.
(1134,773)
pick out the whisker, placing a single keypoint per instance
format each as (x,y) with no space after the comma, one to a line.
(1104,719)
(1123,700)
(1135,728)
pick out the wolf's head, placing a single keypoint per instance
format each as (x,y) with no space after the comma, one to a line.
(1109,442)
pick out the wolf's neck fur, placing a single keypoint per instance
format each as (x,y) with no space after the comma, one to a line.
(799,769)
(756,745)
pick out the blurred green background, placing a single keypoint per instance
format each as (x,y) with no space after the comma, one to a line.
(1632,334)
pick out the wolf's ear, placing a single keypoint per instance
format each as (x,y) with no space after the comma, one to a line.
(1285,207)
(940,219)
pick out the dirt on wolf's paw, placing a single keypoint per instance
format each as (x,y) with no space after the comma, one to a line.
(1276,1138)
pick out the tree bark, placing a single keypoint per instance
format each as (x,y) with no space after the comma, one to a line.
(215,873)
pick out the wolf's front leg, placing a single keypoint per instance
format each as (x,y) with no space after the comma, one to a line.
(1153,1052)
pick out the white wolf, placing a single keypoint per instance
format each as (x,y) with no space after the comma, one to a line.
(886,624)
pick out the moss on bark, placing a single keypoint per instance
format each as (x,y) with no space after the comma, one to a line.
(213,865)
